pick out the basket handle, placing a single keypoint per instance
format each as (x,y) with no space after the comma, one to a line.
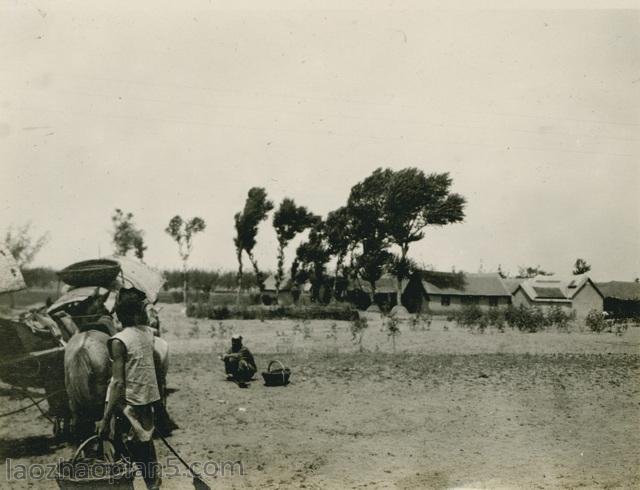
(81,448)
(83,445)
(275,360)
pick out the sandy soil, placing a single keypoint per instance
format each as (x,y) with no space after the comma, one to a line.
(449,409)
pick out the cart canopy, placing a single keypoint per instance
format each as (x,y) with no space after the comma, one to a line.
(10,276)
(114,273)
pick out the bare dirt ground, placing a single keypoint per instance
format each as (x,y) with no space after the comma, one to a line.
(450,409)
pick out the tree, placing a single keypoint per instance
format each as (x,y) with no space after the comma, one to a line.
(580,267)
(183,231)
(366,206)
(311,259)
(239,245)
(501,272)
(401,267)
(370,264)
(340,240)
(23,245)
(530,272)
(288,221)
(256,208)
(412,202)
(126,235)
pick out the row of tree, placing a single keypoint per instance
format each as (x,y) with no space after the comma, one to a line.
(371,234)
(128,237)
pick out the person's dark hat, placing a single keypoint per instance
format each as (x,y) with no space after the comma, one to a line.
(129,301)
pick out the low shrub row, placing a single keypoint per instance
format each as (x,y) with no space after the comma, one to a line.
(218,299)
(522,318)
(257,312)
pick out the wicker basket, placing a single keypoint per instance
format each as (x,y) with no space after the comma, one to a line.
(93,473)
(276,377)
(99,272)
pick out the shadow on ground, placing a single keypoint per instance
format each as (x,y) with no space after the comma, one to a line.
(28,446)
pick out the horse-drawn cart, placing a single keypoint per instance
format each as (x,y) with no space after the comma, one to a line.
(33,346)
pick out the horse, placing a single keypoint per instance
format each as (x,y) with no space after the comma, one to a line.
(87,372)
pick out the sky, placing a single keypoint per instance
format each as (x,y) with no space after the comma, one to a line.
(166,110)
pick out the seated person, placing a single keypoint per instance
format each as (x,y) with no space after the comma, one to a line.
(238,362)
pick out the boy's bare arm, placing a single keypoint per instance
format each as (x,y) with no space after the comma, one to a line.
(117,386)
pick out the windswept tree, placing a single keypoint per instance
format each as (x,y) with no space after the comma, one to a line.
(581,267)
(312,257)
(412,202)
(238,219)
(183,232)
(366,207)
(339,232)
(23,244)
(126,235)
(288,221)
(256,209)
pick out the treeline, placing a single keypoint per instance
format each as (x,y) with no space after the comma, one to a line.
(39,277)
(369,235)
(199,279)
(208,281)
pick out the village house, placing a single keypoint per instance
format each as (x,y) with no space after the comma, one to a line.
(385,297)
(270,284)
(420,293)
(621,299)
(485,290)
(577,293)
(286,295)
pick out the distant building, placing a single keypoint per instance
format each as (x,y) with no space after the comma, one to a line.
(483,289)
(286,292)
(621,299)
(435,292)
(270,284)
(512,283)
(385,297)
(576,293)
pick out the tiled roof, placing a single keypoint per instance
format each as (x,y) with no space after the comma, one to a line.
(620,290)
(478,284)
(550,293)
(543,288)
(512,283)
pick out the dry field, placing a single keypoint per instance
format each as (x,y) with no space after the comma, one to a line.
(449,409)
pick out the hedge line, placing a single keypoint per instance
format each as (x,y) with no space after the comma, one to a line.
(257,312)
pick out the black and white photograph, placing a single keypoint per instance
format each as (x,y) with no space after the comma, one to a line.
(319,245)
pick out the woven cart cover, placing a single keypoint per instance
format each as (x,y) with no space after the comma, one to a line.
(10,276)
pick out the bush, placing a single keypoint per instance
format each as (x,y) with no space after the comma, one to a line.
(595,321)
(468,316)
(313,312)
(358,327)
(525,319)
(559,318)
(496,318)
